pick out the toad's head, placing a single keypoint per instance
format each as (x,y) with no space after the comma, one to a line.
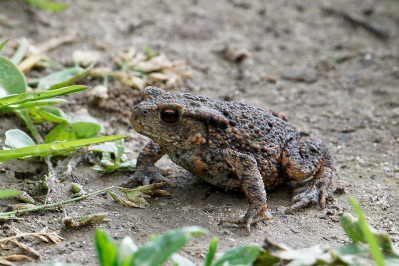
(171,118)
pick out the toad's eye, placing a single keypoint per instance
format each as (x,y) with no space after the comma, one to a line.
(169,115)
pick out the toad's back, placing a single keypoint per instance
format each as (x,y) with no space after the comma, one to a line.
(255,132)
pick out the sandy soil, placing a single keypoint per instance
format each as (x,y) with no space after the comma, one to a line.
(352,104)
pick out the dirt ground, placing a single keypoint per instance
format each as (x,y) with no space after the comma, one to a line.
(349,98)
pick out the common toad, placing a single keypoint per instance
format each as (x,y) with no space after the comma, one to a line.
(230,145)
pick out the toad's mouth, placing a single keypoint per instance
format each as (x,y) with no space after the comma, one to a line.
(145,130)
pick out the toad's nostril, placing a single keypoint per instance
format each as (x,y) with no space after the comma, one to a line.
(144,112)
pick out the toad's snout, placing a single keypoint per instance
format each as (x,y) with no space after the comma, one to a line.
(138,114)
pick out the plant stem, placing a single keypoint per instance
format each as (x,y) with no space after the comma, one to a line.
(55,205)
(24,115)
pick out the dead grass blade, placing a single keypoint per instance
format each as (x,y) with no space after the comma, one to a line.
(42,235)
(6,259)
(98,218)
(3,261)
(26,247)
(139,70)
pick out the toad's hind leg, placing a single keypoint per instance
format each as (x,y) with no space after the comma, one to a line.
(308,162)
(245,167)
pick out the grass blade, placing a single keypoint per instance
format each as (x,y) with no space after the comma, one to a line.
(53,148)
(370,237)
(21,52)
(34,95)
(211,252)
(3,44)
(44,102)
(47,5)
(8,193)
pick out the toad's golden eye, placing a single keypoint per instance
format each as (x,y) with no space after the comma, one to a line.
(169,115)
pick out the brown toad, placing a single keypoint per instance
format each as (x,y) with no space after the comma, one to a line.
(230,145)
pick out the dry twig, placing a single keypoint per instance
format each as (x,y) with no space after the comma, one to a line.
(373,27)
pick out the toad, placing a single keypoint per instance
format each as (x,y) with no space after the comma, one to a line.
(230,145)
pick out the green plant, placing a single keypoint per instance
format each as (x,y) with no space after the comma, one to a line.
(32,107)
(35,107)
(119,162)
(368,247)
(165,246)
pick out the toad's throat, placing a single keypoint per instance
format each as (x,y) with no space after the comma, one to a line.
(141,130)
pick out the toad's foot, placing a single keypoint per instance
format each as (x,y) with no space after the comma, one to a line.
(249,219)
(304,161)
(306,195)
(146,176)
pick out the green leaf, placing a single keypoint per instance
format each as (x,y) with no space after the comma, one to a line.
(159,250)
(211,253)
(149,52)
(3,44)
(21,52)
(370,237)
(50,114)
(99,168)
(392,261)
(53,148)
(62,78)
(126,249)
(34,96)
(16,138)
(47,5)
(86,119)
(352,228)
(115,148)
(179,260)
(119,150)
(244,255)
(12,80)
(34,104)
(74,131)
(353,254)
(103,147)
(106,249)
(266,259)
(9,193)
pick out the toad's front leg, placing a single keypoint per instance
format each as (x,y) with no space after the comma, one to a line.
(245,168)
(309,160)
(146,171)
